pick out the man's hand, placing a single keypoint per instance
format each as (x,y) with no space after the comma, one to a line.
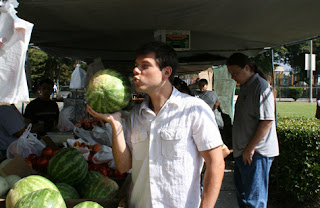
(107,117)
(247,156)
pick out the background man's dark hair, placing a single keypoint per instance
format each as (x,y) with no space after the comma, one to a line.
(204,81)
(47,81)
(165,55)
(241,60)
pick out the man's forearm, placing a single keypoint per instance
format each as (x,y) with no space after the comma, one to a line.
(212,183)
(120,149)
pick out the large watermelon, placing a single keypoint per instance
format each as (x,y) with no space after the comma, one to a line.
(27,185)
(91,177)
(88,204)
(102,188)
(67,191)
(43,198)
(108,91)
(67,166)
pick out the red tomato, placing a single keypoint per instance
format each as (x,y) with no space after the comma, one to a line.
(42,162)
(96,148)
(47,151)
(55,152)
(32,157)
(103,170)
(29,162)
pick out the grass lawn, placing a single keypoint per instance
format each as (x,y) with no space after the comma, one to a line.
(296,109)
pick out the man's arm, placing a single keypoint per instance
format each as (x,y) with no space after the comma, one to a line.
(216,105)
(121,151)
(213,176)
(262,130)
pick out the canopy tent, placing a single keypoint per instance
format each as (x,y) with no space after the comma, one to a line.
(112,30)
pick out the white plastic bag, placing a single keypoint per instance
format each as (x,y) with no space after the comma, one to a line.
(27,144)
(84,134)
(64,123)
(103,155)
(103,135)
(15,35)
(78,78)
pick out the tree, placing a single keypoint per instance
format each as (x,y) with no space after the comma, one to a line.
(44,65)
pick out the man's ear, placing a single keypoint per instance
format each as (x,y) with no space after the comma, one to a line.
(167,71)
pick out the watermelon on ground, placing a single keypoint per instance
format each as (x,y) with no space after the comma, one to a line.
(27,185)
(43,198)
(88,204)
(108,91)
(67,191)
(89,179)
(101,188)
(68,166)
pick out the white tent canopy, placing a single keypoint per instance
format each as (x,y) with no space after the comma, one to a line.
(112,30)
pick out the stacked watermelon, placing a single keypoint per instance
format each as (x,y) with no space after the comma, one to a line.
(67,191)
(68,166)
(88,204)
(108,91)
(39,189)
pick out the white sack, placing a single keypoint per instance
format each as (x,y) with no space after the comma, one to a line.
(78,78)
(15,36)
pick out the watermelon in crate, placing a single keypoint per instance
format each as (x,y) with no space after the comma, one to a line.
(68,166)
(108,91)
(89,179)
(44,198)
(88,204)
(67,191)
(27,185)
(102,188)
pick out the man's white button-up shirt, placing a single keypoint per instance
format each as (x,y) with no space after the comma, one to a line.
(166,162)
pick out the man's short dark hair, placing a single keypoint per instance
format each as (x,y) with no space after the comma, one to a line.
(204,80)
(165,55)
(46,81)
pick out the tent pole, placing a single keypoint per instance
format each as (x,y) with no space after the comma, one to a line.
(310,69)
(273,85)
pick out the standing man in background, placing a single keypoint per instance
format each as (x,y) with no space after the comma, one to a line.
(254,136)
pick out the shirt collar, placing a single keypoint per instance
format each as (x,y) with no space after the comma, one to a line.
(254,77)
(174,99)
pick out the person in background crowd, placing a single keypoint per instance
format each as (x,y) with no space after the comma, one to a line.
(12,127)
(254,137)
(181,85)
(318,106)
(55,90)
(169,136)
(42,112)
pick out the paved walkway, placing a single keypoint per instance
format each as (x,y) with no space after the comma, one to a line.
(227,197)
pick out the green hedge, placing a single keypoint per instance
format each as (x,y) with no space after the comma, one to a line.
(298,166)
(295,92)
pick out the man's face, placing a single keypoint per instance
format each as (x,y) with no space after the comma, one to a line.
(202,86)
(46,90)
(237,73)
(147,75)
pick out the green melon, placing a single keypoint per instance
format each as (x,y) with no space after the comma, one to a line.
(25,186)
(102,188)
(67,166)
(67,191)
(108,91)
(43,198)
(90,178)
(88,204)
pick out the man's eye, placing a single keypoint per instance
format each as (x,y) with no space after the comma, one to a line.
(145,66)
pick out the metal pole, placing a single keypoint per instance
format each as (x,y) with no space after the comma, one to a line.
(273,84)
(310,84)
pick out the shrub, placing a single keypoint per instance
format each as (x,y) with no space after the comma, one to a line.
(295,92)
(298,168)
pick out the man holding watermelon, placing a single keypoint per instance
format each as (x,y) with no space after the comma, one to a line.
(168,137)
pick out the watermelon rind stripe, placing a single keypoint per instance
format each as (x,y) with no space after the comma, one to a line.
(44,198)
(68,166)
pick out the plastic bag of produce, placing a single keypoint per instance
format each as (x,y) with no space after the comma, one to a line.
(64,123)
(27,144)
(103,155)
(78,78)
